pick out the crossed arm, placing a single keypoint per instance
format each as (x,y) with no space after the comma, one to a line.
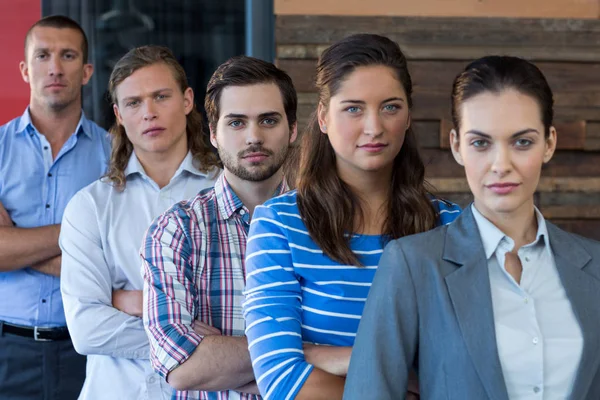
(28,247)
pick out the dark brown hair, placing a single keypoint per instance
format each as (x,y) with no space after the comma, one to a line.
(327,204)
(60,22)
(243,71)
(140,57)
(497,73)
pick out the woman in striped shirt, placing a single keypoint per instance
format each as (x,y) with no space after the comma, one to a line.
(312,253)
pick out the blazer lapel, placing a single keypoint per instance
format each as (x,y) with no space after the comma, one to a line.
(470,293)
(582,287)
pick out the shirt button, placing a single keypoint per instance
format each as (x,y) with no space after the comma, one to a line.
(45,147)
(536,389)
(526,300)
(43,300)
(151,380)
(527,259)
(47,205)
(49,174)
(535,340)
(243,212)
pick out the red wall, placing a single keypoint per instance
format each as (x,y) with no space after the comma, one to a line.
(16,16)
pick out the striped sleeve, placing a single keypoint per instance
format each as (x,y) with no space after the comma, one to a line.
(273,310)
(168,292)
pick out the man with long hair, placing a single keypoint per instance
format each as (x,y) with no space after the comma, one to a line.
(46,156)
(160,156)
(193,255)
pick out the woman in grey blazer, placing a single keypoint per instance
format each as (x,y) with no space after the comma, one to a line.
(501,304)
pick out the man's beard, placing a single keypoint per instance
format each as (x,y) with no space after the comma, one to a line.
(265,169)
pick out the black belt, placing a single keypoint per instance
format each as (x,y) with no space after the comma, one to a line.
(35,333)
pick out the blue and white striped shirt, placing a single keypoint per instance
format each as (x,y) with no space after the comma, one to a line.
(296,294)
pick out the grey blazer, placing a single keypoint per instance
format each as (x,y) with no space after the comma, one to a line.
(430,307)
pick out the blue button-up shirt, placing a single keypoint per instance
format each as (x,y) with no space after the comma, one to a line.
(35,190)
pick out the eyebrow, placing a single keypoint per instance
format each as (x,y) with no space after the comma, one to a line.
(514,135)
(260,116)
(364,102)
(62,51)
(154,93)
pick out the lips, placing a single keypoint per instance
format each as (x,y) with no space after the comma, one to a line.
(503,188)
(55,86)
(373,147)
(153,131)
(255,157)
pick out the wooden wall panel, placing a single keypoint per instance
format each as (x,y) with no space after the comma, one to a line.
(443,8)
(567,51)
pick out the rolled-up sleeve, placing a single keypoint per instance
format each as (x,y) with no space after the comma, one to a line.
(96,327)
(273,309)
(168,260)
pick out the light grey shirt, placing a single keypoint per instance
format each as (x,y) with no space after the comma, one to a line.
(538,337)
(102,231)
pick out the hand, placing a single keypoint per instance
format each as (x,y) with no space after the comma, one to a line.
(50,266)
(203,329)
(4,217)
(128,301)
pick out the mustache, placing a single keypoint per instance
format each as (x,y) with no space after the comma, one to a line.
(254,149)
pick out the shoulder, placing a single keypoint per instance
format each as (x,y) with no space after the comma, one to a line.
(7,129)
(590,245)
(195,211)
(280,206)
(425,246)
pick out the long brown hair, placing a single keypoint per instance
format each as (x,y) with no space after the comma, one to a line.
(327,204)
(204,158)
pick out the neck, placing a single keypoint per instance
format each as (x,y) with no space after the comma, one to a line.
(56,125)
(251,193)
(160,167)
(520,225)
(373,190)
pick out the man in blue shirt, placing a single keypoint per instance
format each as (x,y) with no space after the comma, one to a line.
(46,156)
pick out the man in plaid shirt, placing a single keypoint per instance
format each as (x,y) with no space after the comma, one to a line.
(193,254)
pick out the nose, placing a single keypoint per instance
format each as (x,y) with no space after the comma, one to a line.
(55,67)
(254,134)
(373,126)
(150,112)
(502,164)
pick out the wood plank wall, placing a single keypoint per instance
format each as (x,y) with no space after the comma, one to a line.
(566,50)
(443,8)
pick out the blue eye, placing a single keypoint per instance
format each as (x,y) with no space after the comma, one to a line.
(479,143)
(353,109)
(132,103)
(391,107)
(235,123)
(269,121)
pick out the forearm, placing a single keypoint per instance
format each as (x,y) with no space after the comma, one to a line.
(98,329)
(22,247)
(331,359)
(218,363)
(251,388)
(50,266)
(321,385)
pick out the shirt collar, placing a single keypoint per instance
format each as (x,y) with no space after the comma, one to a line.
(84,125)
(229,203)
(491,236)
(135,167)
